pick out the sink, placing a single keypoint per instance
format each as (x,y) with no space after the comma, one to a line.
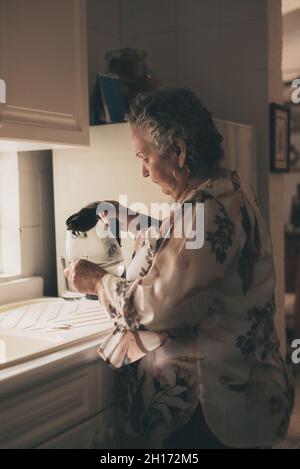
(34,328)
(14,345)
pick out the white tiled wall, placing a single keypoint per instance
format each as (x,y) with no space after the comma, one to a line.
(219,48)
(140,18)
(242,10)
(103,16)
(188,39)
(161,53)
(197,14)
(10,254)
(37,217)
(103,34)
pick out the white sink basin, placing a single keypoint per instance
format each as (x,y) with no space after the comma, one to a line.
(35,328)
(15,345)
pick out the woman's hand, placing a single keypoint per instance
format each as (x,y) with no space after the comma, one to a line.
(84,276)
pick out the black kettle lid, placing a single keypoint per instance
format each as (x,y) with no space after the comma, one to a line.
(83,220)
(86,219)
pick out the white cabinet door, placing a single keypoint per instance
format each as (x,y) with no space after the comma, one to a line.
(52,407)
(44,67)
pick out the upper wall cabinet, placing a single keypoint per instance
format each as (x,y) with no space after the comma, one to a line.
(43,66)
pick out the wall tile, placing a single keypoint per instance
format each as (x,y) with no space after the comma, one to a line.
(30,213)
(27,160)
(40,160)
(98,45)
(14,290)
(9,200)
(46,198)
(208,88)
(9,161)
(10,249)
(44,161)
(143,17)
(134,14)
(31,251)
(243,46)
(199,51)
(161,52)
(164,16)
(197,13)
(232,11)
(49,259)
(104,16)
(240,94)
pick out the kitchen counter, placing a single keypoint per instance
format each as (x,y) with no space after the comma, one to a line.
(56,317)
(46,393)
(73,331)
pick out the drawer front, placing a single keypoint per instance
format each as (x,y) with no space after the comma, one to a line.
(81,436)
(38,414)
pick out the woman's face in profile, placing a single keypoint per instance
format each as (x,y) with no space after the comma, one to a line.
(158,168)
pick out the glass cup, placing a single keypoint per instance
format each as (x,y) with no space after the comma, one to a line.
(66,289)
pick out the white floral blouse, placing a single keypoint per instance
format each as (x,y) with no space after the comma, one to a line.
(198,325)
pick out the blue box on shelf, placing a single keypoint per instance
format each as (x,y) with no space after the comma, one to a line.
(109,104)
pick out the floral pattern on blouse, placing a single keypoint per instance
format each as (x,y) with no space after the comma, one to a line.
(221,238)
(198,325)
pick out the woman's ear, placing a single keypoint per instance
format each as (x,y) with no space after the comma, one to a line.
(180,150)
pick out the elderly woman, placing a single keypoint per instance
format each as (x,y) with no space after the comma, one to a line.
(194,331)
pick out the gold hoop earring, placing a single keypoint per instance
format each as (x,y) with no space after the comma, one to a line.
(180,178)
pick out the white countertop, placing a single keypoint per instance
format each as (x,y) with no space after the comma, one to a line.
(78,326)
(56,317)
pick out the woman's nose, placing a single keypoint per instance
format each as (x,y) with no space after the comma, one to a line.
(145,171)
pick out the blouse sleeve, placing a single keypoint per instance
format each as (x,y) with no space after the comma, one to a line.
(177,289)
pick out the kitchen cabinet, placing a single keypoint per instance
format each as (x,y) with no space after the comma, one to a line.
(64,410)
(82,436)
(43,63)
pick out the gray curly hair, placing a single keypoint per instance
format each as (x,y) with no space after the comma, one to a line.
(169,115)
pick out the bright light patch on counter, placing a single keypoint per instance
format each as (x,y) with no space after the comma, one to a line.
(2,351)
